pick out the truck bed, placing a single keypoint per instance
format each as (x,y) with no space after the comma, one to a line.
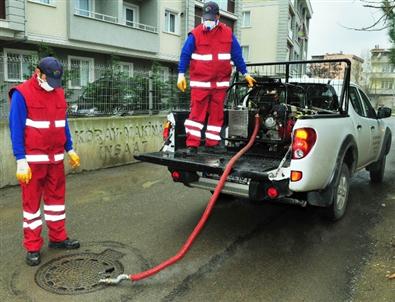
(248,166)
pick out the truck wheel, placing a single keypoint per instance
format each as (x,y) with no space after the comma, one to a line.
(377,172)
(340,195)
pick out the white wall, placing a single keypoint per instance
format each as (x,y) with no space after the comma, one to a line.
(262,35)
(46,20)
(170,44)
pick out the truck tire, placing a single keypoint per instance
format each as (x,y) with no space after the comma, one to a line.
(341,190)
(377,171)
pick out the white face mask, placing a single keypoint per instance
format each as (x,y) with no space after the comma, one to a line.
(44,84)
(209,25)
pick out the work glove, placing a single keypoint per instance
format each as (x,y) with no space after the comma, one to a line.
(250,80)
(23,171)
(181,82)
(74,159)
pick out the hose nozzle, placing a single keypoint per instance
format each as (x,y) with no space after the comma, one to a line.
(114,281)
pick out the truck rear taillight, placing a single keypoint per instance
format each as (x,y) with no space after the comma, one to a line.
(296,175)
(176,176)
(166,130)
(183,176)
(303,141)
(272,192)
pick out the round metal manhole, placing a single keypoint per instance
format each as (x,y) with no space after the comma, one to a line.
(79,273)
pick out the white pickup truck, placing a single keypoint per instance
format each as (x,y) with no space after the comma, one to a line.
(311,141)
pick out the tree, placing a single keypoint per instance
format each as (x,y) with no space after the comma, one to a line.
(386,21)
(326,70)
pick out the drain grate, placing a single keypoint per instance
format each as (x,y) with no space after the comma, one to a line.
(78,273)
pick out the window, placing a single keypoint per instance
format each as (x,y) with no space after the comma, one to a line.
(126,68)
(289,53)
(321,96)
(290,22)
(222,4)
(131,14)
(387,68)
(356,101)
(84,7)
(171,22)
(49,2)
(82,71)
(19,64)
(387,84)
(164,73)
(2,9)
(246,52)
(296,56)
(368,106)
(246,19)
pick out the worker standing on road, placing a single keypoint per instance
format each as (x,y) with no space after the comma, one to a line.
(39,135)
(209,48)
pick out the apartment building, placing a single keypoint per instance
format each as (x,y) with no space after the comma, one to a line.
(356,65)
(275,30)
(89,33)
(381,78)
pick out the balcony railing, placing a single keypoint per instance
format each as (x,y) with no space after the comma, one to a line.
(114,20)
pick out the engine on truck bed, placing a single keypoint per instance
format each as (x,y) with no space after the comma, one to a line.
(277,103)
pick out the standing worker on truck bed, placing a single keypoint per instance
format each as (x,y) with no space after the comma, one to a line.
(40,135)
(210,47)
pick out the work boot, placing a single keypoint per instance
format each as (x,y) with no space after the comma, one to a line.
(68,244)
(33,258)
(191,150)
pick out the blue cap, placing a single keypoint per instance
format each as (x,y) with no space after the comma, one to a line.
(53,69)
(210,10)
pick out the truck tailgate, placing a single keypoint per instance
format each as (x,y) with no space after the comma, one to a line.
(248,166)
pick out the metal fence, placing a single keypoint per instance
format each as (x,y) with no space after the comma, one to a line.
(100,90)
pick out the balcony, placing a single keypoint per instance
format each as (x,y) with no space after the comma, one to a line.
(116,25)
(114,20)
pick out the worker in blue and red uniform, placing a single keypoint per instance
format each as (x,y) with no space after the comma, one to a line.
(40,134)
(209,48)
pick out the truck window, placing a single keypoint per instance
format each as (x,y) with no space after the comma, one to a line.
(356,101)
(322,96)
(368,106)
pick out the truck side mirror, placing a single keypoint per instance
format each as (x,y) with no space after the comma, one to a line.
(384,112)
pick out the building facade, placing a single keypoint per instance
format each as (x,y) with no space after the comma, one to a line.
(275,30)
(356,66)
(381,78)
(87,33)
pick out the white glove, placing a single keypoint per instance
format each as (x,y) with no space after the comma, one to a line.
(23,171)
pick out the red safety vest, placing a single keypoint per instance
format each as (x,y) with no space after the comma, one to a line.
(45,134)
(210,63)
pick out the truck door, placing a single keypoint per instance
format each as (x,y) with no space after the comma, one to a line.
(362,127)
(375,133)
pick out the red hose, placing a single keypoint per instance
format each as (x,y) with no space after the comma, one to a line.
(184,249)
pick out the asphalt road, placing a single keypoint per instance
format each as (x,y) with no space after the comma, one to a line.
(246,252)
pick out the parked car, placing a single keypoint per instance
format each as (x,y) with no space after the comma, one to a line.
(113,94)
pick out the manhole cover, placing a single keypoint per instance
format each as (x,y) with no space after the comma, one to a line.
(79,273)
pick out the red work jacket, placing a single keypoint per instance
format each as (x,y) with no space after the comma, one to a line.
(45,134)
(210,62)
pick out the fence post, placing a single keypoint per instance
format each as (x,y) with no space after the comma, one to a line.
(150,93)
